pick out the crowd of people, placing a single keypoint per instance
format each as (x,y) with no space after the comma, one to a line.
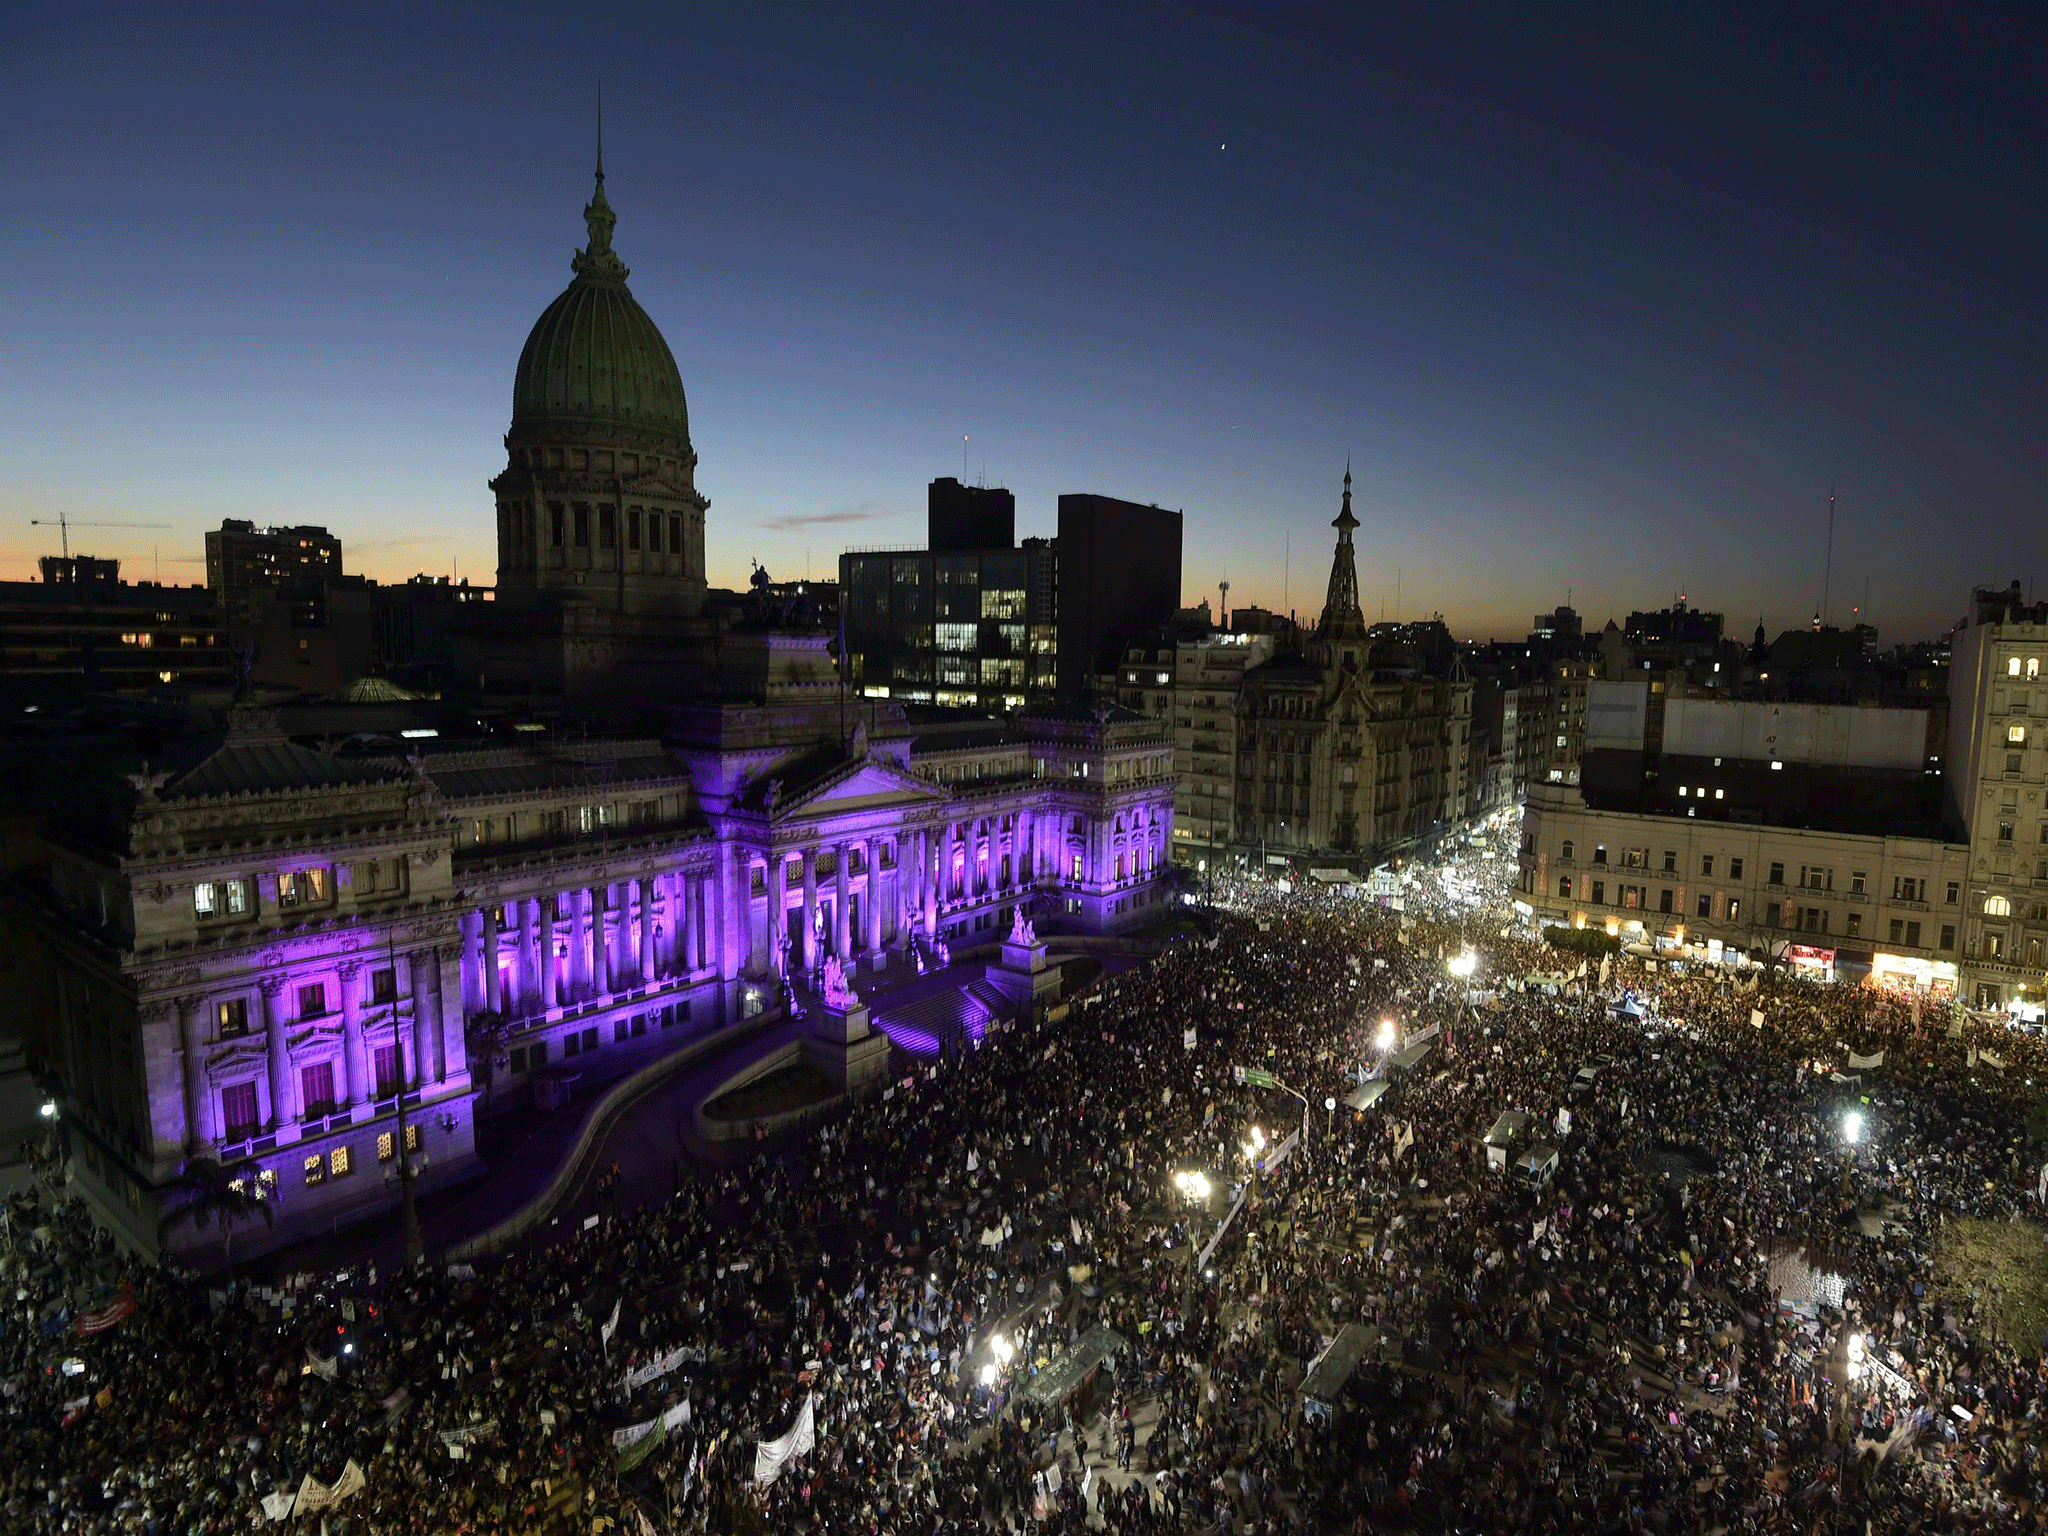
(1722,1310)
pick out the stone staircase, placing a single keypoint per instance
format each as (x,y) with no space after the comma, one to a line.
(947,1020)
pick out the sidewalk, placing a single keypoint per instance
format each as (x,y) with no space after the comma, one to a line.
(522,1158)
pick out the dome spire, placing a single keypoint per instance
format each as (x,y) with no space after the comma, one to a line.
(1344,522)
(597,259)
(1341,615)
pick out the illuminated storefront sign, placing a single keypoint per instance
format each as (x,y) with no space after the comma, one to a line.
(1912,973)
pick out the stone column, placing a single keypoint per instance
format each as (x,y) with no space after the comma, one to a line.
(778,910)
(619,934)
(441,1027)
(929,879)
(196,1101)
(810,909)
(279,1060)
(730,910)
(685,890)
(550,973)
(352,1088)
(842,941)
(423,980)
(1023,865)
(647,965)
(700,920)
(532,969)
(470,925)
(617,928)
(870,849)
(494,984)
(579,946)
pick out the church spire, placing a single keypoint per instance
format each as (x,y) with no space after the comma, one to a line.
(1341,613)
(598,259)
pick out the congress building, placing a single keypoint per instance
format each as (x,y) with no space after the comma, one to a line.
(241,943)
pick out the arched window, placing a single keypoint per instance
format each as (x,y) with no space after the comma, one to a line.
(2033,667)
(1997,906)
(1564,885)
(1566,851)
(2012,666)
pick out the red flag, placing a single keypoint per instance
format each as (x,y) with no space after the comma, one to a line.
(121,1309)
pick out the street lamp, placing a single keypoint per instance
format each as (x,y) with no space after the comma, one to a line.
(1387,1034)
(1193,1185)
(1852,1127)
(1461,966)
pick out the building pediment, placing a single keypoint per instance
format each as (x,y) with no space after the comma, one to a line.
(232,1063)
(858,786)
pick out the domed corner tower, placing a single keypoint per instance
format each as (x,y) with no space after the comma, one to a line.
(598,499)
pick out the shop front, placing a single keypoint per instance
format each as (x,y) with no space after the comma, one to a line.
(1913,974)
(1811,961)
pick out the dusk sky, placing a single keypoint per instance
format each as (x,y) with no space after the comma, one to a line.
(1598,300)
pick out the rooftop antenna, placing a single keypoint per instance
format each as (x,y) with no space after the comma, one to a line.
(1286,567)
(1828,570)
(963,458)
(1223,605)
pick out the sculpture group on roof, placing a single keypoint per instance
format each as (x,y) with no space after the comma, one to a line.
(837,990)
(768,609)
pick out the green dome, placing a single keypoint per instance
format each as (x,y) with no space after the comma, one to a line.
(594,360)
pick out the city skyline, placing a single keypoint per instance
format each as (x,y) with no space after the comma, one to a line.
(1612,338)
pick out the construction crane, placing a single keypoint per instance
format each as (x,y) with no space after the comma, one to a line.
(65,525)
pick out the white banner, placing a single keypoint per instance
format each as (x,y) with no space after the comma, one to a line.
(771,1456)
(1409,1042)
(1187,1038)
(350,1481)
(1404,1138)
(1216,1237)
(278,1506)
(1756,1018)
(663,1365)
(1858,1063)
(1992,1060)
(315,1495)
(680,1414)
(1278,1155)
(610,1327)
(325,1367)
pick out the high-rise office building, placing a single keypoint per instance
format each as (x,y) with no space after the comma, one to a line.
(1119,579)
(961,517)
(241,555)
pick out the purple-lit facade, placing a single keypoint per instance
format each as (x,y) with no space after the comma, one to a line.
(248,950)
(238,956)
